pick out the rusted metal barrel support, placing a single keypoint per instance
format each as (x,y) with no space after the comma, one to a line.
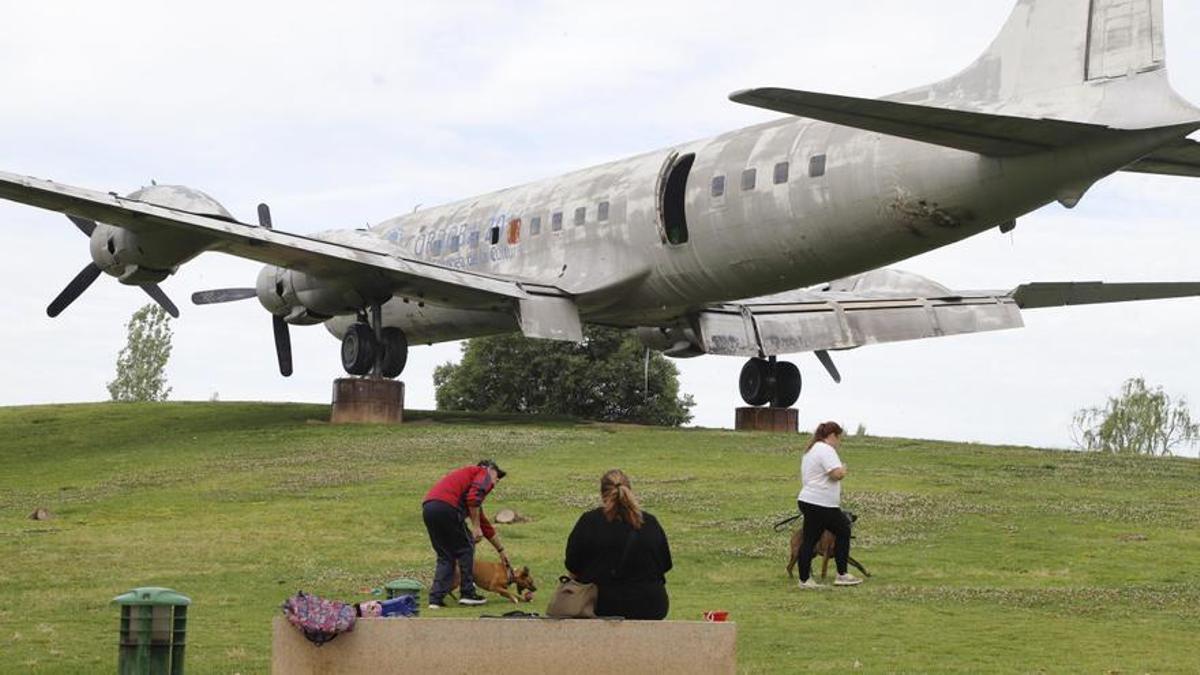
(367,400)
(767,419)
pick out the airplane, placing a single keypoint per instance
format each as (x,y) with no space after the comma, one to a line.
(758,243)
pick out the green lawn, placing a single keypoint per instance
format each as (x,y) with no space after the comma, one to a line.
(984,558)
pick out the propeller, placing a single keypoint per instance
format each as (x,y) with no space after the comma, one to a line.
(217,295)
(283,338)
(827,361)
(74,289)
(88,276)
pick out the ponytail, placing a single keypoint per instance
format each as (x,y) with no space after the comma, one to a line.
(824,430)
(618,499)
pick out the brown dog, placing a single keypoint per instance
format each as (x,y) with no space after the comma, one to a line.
(824,548)
(492,576)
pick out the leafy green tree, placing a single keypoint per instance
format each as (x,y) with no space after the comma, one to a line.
(1140,421)
(605,378)
(141,363)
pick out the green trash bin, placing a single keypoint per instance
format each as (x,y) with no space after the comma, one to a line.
(153,631)
(397,587)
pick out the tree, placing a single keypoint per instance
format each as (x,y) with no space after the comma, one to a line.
(605,378)
(141,362)
(1140,421)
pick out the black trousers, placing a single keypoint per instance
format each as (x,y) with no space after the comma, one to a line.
(817,519)
(644,600)
(448,534)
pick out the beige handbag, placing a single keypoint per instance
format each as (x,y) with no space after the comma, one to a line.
(573,600)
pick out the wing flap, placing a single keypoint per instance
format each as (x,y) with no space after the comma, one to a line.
(549,318)
(320,257)
(772,329)
(982,133)
(894,306)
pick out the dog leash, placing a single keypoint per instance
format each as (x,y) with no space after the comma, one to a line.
(785,522)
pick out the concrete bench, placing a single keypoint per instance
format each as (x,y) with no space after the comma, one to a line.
(494,646)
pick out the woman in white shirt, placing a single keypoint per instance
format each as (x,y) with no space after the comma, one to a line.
(820,500)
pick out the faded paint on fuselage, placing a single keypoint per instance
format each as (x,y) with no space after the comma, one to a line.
(880,200)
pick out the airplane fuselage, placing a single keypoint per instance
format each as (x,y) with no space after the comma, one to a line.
(769,208)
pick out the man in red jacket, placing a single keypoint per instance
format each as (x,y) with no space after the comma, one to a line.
(451,506)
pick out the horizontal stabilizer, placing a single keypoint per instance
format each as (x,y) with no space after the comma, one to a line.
(1033,296)
(1180,159)
(982,133)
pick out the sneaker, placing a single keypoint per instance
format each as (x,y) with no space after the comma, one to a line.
(846,580)
(437,604)
(471,599)
(810,583)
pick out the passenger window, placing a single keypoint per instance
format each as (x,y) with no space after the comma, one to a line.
(514,230)
(556,221)
(749,178)
(535,226)
(473,239)
(781,173)
(494,235)
(455,240)
(435,247)
(816,166)
(602,212)
(718,186)
(580,215)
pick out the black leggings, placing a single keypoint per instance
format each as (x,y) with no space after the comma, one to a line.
(817,519)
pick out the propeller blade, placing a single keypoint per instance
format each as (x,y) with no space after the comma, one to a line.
(827,361)
(264,216)
(85,226)
(222,295)
(283,346)
(73,290)
(154,291)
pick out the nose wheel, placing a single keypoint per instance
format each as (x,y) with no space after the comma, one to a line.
(370,349)
(767,381)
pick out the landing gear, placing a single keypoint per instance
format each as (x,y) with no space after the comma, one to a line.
(395,352)
(358,349)
(764,381)
(374,350)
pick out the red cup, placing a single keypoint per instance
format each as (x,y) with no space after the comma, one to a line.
(717,615)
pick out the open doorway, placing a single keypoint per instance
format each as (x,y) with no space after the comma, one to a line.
(672,198)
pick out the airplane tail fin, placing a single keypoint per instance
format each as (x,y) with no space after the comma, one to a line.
(1095,61)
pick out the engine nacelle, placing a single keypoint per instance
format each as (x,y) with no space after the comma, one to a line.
(304,299)
(151,256)
(677,341)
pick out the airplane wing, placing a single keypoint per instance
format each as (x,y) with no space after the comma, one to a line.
(982,133)
(859,311)
(543,311)
(1179,159)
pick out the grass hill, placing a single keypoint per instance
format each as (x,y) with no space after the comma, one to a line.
(984,558)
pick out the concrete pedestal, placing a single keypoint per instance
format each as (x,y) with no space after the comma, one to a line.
(367,400)
(767,419)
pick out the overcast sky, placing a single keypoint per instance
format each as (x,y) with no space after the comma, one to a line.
(345,114)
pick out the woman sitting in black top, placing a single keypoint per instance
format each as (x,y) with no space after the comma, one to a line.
(623,550)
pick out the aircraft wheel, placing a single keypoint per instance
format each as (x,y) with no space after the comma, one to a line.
(756,382)
(358,349)
(395,352)
(787,385)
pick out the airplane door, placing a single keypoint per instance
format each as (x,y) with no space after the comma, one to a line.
(672,198)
